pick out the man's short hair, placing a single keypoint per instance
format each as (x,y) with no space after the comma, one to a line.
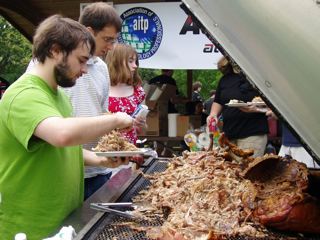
(168,72)
(99,15)
(63,32)
(196,85)
(212,92)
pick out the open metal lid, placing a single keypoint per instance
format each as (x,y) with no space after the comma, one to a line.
(276,43)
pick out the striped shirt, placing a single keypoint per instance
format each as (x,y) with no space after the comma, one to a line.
(89,97)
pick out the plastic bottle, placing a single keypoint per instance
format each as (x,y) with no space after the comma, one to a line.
(270,149)
(20,236)
(214,130)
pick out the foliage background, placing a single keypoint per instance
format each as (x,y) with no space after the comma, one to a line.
(15,51)
(208,78)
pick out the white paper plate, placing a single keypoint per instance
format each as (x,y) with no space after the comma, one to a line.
(121,153)
(190,139)
(204,139)
(257,104)
(237,104)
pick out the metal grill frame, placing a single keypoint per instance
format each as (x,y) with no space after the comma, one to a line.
(105,228)
(134,188)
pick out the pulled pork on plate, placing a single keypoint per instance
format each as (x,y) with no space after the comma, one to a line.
(114,141)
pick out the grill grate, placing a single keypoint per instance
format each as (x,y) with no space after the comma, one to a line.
(108,228)
(113,227)
(112,231)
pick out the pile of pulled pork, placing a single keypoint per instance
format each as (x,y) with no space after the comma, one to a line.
(226,192)
(114,141)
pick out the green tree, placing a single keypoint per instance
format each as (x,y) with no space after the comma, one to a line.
(146,74)
(208,78)
(15,51)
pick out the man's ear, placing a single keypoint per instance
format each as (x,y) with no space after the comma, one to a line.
(55,50)
(91,30)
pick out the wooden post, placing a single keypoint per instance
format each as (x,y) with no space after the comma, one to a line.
(189,83)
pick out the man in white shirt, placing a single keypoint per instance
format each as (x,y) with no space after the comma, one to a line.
(89,97)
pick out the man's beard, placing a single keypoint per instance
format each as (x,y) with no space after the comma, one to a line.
(61,71)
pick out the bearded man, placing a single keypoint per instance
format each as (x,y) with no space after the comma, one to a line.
(42,161)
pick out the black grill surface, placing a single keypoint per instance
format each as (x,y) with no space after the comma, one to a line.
(112,227)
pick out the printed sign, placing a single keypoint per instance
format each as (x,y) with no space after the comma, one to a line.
(142,29)
(165,37)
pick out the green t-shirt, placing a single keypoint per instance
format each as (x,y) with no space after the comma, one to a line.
(40,184)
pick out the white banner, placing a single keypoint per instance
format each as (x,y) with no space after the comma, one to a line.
(165,37)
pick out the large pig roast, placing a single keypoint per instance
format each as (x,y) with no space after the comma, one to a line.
(283,200)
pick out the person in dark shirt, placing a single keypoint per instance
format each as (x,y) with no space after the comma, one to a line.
(166,78)
(247,130)
(196,88)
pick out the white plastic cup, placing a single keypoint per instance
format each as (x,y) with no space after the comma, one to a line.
(172,124)
(20,236)
(141,111)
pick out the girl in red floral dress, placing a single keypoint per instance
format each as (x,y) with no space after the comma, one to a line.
(126,92)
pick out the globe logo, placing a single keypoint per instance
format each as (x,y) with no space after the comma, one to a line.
(142,29)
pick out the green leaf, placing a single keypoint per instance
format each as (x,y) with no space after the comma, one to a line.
(15,51)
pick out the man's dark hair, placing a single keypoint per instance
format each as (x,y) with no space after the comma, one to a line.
(196,85)
(100,15)
(212,92)
(63,32)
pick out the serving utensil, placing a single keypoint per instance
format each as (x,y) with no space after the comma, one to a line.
(105,207)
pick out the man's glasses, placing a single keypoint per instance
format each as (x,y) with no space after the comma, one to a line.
(110,40)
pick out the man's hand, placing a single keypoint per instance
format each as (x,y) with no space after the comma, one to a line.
(113,162)
(91,159)
(253,109)
(211,118)
(138,159)
(271,114)
(125,120)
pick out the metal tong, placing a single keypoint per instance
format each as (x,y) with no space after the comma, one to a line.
(105,207)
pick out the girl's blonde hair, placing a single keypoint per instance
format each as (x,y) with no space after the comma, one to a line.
(117,61)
